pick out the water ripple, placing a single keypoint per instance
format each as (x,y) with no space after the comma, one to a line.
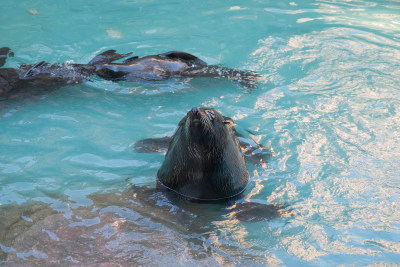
(327,104)
(94,160)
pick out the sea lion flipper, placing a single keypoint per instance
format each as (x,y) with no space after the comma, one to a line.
(248,79)
(4,54)
(256,155)
(31,71)
(183,56)
(108,57)
(153,145)
(255,212)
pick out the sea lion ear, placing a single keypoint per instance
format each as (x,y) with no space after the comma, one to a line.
(107,57)
(228,121)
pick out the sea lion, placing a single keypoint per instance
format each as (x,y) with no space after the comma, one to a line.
(204,159)
(206,162)
(170,65)
(46,76)
(165,66)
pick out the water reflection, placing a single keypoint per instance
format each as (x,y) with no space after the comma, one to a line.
(333,116)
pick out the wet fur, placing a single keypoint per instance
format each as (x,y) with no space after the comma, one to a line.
(254,152)
(204,159)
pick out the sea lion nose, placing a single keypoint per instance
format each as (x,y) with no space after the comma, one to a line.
(195,111)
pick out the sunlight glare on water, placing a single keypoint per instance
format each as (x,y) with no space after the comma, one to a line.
(327,104)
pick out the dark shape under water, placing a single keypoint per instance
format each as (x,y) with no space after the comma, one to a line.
(120,227)
(165,66)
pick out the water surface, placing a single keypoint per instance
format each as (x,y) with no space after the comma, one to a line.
(327,105)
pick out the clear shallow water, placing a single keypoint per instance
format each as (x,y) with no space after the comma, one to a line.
(327,104)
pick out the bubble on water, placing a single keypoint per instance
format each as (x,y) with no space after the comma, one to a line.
(114,33)
(234,8)
(33,11)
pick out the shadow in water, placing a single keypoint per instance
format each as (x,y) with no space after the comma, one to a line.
(140,225)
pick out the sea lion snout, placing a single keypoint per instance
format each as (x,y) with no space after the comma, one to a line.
(199,126)
(195,125)
(200,117)
(194,113)
(197,113)
(195,110)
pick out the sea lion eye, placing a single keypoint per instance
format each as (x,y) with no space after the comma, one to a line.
(210,114)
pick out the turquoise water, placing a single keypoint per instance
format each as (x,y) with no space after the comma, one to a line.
(327,105)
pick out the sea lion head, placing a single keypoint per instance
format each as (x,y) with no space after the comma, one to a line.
(207,128)
(204,160)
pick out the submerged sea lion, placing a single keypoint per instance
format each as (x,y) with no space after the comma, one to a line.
(169,65)
(149,68)
(40,76)
(205,160)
